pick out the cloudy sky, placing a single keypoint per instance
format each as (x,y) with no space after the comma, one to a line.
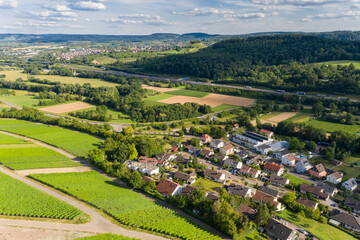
(177,16)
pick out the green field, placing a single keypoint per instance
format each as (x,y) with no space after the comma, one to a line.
(15,74)
(299,118)
(224,107)
(320,230)
(32,156)
(74,142)
(123,204)
(188,93)
(296,180)
(207,185)
(107,236)
(20,199)
(332,127)
(158,97)
(349,172)
(22,100)
(6,139)
(343,63)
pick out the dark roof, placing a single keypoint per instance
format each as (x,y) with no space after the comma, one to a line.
(255,136)
(235,189)
(306,202)
(278,179)
(270,191)
(313,190)
(212,196)
(243,153)
(212,174)
(188,190)
(284,152)
(346,219)
(278,230)
(183,176)
(245,209)
(326,187)
(353,203)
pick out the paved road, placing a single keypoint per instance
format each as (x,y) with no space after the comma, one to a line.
(198,83)
(94,215)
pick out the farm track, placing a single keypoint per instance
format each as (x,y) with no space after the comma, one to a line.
(98,223)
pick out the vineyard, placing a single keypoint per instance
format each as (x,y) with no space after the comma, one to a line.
(19,199)
(107,236)
(126,206)
(32,156)
(74,142)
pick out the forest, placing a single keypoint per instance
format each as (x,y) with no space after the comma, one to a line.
(286,61)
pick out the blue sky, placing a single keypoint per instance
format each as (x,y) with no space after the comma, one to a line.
(177,16)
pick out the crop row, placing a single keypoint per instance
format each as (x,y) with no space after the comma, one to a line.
(107,236)
(126,206)
(19,199)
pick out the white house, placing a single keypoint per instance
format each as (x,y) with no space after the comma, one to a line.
(232,163)
(252,139)
(335,178)
(143,168)
(350,184)
(217,143)
(227,150)
(288,160)
(302,166)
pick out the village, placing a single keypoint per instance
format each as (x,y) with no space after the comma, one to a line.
(254,166)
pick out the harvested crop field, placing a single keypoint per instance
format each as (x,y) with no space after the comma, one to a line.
(69,107)
(282,117)
(158,89)
(212,100)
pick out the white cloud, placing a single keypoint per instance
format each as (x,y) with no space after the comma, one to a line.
(57,8)
(88,6)
(346,14)
(204,12)
(297,2)
(8,3)
(242,16)
(140,19)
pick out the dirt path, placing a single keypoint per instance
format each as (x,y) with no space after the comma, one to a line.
(98,224)
(27,172)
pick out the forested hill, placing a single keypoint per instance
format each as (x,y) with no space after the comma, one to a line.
(232,57)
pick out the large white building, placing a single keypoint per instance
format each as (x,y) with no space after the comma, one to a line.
(251,139)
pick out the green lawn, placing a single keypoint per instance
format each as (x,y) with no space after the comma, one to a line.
(32,156)
(74,142)
(296,180)
(188,93)
(343,63)
(299,118)
(207,185)
(351,159)
(125,205)
(20,199)
(320,230)
(22,100)
(107,236)
(332,127)
(250,234)
(223,107)
(350,172)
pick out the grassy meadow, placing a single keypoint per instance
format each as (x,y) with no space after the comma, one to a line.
(332,127)
(76,143)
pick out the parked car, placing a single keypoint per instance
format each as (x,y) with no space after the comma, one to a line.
(302,231)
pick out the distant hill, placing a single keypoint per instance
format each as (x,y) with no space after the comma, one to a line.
(229,57)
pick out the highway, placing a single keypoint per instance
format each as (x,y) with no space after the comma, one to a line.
(202,83)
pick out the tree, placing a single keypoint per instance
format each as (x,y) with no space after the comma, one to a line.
(263,215)
(181,167)
(195,142)
(318,108)
(135,180)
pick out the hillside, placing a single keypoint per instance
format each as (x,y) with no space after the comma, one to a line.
(229,58)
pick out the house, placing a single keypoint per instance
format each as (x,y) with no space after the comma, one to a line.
(241,191)
(252,172)
(236,126)
(307,203)
(257,160)
(220,157)
(214,175)
(251,139)
(279,146)
(232,163)
(148,161)
(182,160)
(278,231)
(288,160)
(266,198)
(350,184)
(281,154)
(274,168)
(315,191)
(186,178)
(146,179)
(332,191)
(335,178)
(318,171)
(206,153)
(263,149)
(353,204)
(194,150)
(227,150)
(187,191)
(279,181)
(345,220)
(243,154)
(174,149)
(269,191)
(143,168)
(217,143)
(168,188)
(205,138)
(166,156)
(212,196)
(247,211)
(302,166)
(267,133)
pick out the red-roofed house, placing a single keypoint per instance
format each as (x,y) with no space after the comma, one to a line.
(318,171)
(274,168)
(168,188)
(265,198)
(268,133)
(227,150)
(252,172)
(174,149)
(206,138)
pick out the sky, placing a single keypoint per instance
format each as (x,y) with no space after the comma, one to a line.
(138,17)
